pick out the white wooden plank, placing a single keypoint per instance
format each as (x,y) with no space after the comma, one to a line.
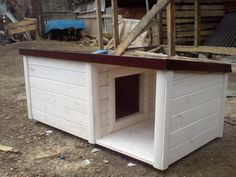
(193,84)
(58,64)
(195,99)
(184,75)
(104,105)
(60,100)
(135,141)
(223,105)
(72,128)
(104,119)
(27,87)
(104,92)
(64,76)
(193,129)
(183,119)
(59,88)
(192,144)
(91,72)
(104,79)
(61,113)
(164,86)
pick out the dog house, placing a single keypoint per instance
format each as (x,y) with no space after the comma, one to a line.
(155,110)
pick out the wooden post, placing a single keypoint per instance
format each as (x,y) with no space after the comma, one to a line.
(37,10)
(171,28)
(197,22)
(115,23)
(99,23)
(149,31)
(141,26)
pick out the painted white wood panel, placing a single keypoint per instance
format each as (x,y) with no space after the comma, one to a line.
(186,86)
(104,92)
(192,115)
(104,119)
(59,88)
(193,144)
(194,129)
(27,86)
(61,124)
(70,77)
(195,99)
(104,79)
(196,111)
(59,64)
(61,113)
(60,100)
(164,86)
(185,74)
(135,141)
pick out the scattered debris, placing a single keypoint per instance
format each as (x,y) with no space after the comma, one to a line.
(131,165)
(61,157)
(8,149)
(85,163)
(53,156)
(230,121)
(48,132)
(106,161)
(95,150)
(104,52)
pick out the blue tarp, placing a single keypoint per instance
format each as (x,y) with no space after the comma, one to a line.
(64,24)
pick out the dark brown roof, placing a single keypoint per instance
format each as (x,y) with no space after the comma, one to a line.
(156,63)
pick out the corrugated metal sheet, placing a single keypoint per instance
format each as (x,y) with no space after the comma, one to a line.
(225,34)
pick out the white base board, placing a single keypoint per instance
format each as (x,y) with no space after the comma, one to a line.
(136,141)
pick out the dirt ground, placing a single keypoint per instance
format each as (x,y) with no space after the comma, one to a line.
(39,153)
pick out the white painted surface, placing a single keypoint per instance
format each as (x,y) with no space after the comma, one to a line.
(196,112)
(135,141)
(106,76)
(79,98)
(27,87)
(61,95)
(164,88)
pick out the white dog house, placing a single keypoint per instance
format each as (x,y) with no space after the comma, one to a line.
(154,110)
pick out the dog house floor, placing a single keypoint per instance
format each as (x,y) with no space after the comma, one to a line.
(136,141)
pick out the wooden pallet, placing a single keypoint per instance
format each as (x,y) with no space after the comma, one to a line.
(25,26)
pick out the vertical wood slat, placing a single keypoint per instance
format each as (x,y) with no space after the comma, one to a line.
(149,31)
(115,23)
(99,23)
(197,22)
(170,9)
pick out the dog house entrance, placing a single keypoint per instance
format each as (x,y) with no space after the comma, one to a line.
(127,95)
(131,126)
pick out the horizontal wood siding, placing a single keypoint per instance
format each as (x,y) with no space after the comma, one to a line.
(104,88)
(196,111)
(211,13)
(59,94)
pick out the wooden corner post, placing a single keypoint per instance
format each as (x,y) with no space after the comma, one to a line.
(171,28)
(115,23)
(99,22)
(197,22)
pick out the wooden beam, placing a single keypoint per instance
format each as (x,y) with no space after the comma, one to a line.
(206,49)
(170,10)
(159,29)
(38,13)
(99,23)
(149,31)
(115,24)
(197,22)
(139,28)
